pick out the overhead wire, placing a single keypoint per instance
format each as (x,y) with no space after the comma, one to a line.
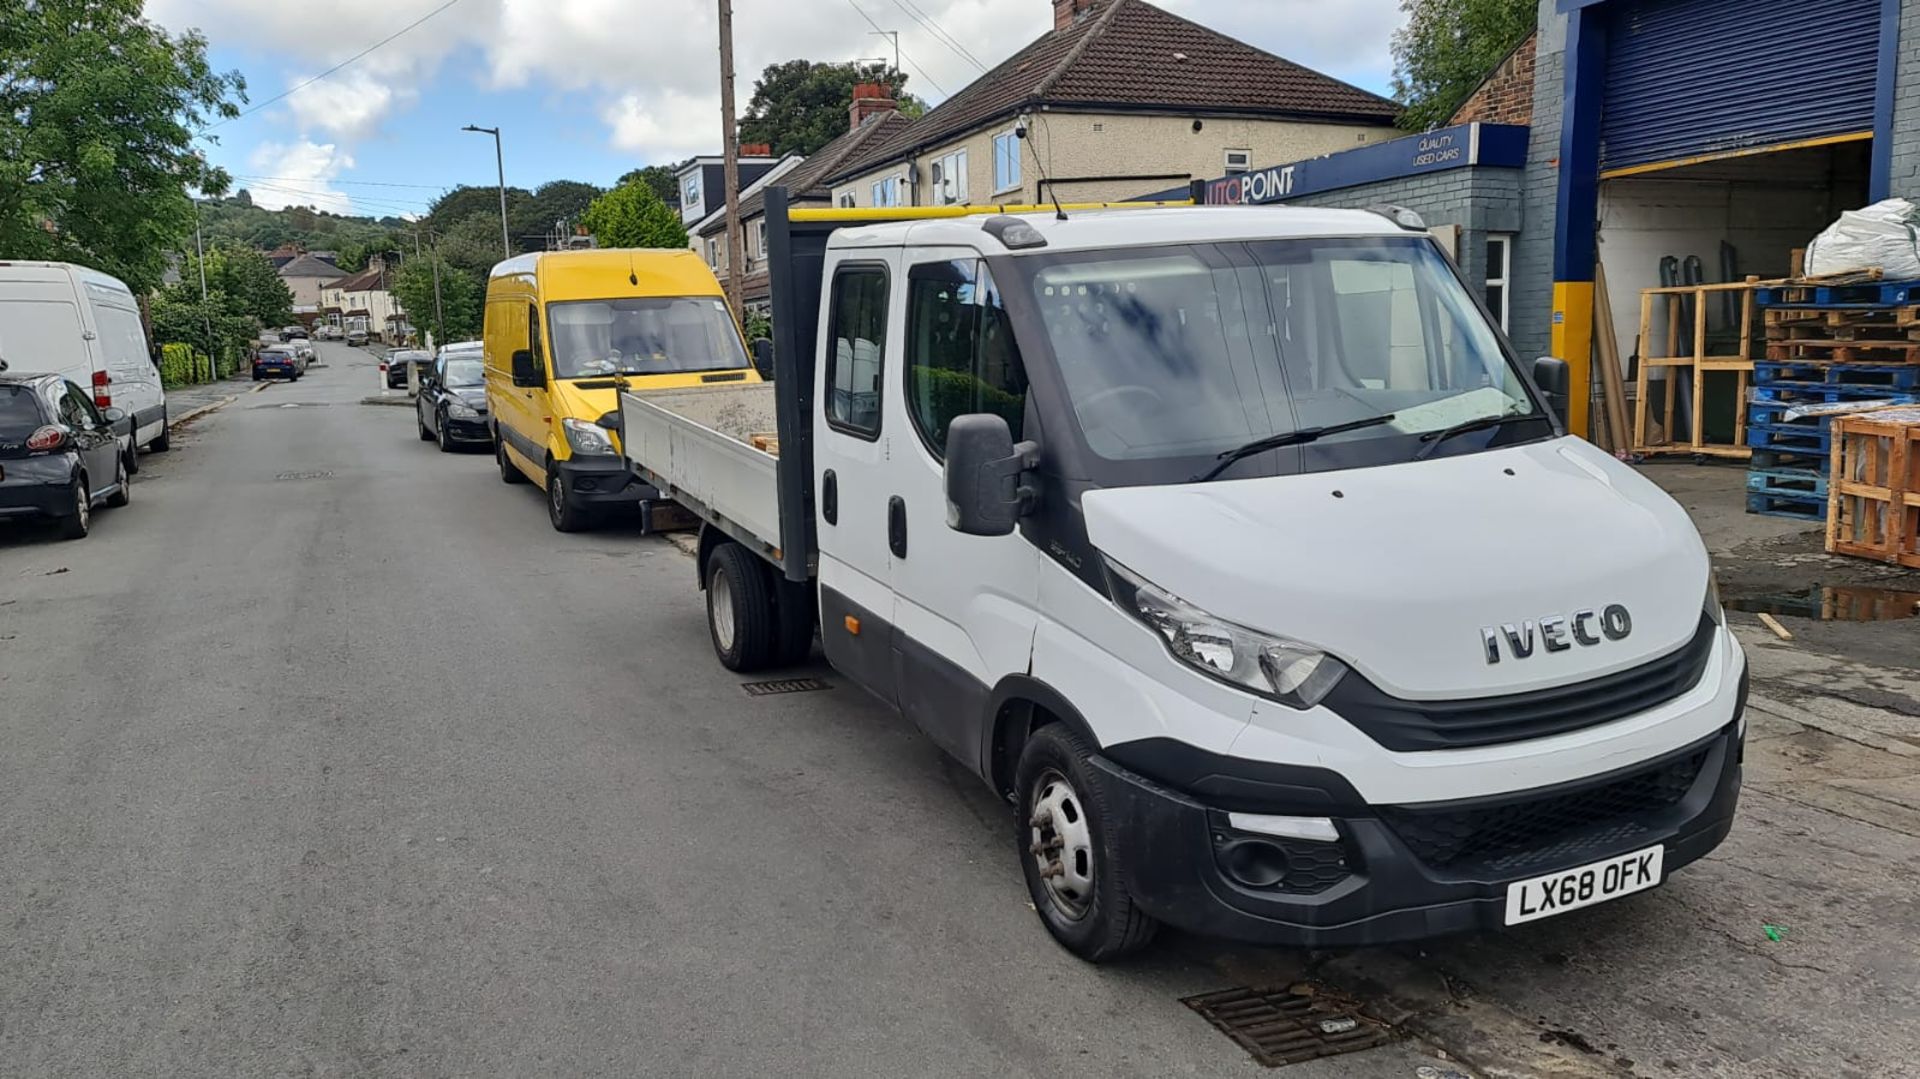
(939,33)
(911,62)
(363,183)
(344,63)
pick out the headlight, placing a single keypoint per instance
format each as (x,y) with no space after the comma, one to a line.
(1295,674)
(586,438)
(1714,610)
(458,411)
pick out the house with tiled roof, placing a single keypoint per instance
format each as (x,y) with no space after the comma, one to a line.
(1119,99)
(872,118)
(364,301)
(304,275)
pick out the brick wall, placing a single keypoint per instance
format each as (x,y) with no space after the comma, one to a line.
(1906,106)
(1531,325)
(1507,95)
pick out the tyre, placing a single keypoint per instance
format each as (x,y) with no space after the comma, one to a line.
(741,617)
(561,510)
(440,436)
(425,435)
(123,492)
(131,459)
(77,524)
(509,472)
(164,441)
(797,611)
(1076,873)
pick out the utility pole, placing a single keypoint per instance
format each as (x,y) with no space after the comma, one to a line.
(730,151)
(499,163)
(200,249)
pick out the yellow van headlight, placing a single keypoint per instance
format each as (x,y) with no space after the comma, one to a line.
(588,439)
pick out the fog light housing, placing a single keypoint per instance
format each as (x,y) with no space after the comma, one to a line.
(1253,863)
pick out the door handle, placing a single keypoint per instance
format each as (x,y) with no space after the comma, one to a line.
(830,498)
(897,526)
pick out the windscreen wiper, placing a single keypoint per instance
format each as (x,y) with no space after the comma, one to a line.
(1433,439)
(1291,438)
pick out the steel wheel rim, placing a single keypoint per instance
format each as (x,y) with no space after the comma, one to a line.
(556,498)
(720,610)
(1060,842)
(82,505)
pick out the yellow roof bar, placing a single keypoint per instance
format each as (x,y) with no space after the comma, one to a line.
(934,213)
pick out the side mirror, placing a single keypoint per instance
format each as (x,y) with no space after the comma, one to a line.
(984,494)
(1550,373)
(526,370)
(763,357)
(113,415)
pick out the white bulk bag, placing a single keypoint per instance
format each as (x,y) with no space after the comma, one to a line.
(1884,237)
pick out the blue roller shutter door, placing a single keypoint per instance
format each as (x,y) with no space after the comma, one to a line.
(1692,77)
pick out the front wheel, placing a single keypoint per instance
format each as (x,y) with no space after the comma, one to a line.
(425,435)
(564,515)
(440,435)
(1076,873)
(740,611)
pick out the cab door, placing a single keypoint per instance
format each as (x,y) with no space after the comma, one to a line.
(849,460)
(964,606)
(519,411)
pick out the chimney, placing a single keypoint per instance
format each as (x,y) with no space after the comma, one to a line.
(756,149)
(1068,12)
(870,99)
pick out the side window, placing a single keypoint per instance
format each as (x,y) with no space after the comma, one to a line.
(961,356)
(76,411)
(858,339)
(533,335)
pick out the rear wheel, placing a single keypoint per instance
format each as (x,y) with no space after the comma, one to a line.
(509,472)
(1076,873)
(123,488)
(740,609)
(164,440)
(77,523)
(131,459)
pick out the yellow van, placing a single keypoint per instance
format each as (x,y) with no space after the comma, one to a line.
(564,331)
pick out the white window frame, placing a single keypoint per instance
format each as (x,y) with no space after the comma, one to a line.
(886,191)
(952,188)
(760,237)
(1245,165)
(1011,139)
(1504,278)
(690,191)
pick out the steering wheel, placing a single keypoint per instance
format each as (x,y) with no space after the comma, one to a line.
(1147,400)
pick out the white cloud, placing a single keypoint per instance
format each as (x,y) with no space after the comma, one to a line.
(301,173)
(650,71)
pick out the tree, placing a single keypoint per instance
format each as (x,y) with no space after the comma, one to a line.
(249,284)
(552,203)
(98,109)
(661,178)
(800,106)
(459,318)
(472,244)
(633,216)
(1447,48)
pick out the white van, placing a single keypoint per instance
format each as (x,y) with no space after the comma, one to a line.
(61,319)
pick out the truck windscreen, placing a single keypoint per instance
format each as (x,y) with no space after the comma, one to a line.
(643,335)
(1189,352)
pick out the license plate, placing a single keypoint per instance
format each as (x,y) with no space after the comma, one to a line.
(1571,889)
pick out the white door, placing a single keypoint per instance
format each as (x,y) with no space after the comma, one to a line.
(964,606)
(849,456)
(121,345)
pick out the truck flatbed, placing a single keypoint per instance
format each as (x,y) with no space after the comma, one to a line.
(707,449)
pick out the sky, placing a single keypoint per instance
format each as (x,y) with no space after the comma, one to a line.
(588,89)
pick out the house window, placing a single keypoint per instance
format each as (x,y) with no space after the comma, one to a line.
(950,178)
(713,254)
(887,192)
(1006,162)
(1499,273)
(1239,161)
(760,238)
(690,192)
(848,202)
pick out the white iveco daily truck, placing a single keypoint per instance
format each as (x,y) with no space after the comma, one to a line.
(1233,547)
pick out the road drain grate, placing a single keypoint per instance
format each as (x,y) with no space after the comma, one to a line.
(1287,1026)
(783,685)
(304,476)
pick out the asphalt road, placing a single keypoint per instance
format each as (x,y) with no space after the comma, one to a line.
(328,757)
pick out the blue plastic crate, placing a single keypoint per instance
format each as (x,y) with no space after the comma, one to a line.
(1787,481)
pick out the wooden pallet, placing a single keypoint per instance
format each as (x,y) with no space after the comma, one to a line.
(1665,353)
(1874,487)
(1830,350)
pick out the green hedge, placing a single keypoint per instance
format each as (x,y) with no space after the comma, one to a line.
(181,365)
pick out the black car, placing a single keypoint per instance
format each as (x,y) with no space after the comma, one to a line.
(59,456)
(452,406)
(394,367)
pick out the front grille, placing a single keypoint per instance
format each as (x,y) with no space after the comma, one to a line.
(1411,726)
(1553,829)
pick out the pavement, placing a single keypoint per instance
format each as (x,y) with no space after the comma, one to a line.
(328,757)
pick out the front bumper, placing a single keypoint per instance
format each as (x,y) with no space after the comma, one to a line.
(1404,873)
(475,430)
(602,481)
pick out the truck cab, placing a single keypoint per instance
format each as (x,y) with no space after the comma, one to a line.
(1237,550)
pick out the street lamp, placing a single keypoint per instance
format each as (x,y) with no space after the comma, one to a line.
(499,161)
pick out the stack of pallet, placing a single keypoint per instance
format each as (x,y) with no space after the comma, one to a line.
(1829,347)
(1874,509)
